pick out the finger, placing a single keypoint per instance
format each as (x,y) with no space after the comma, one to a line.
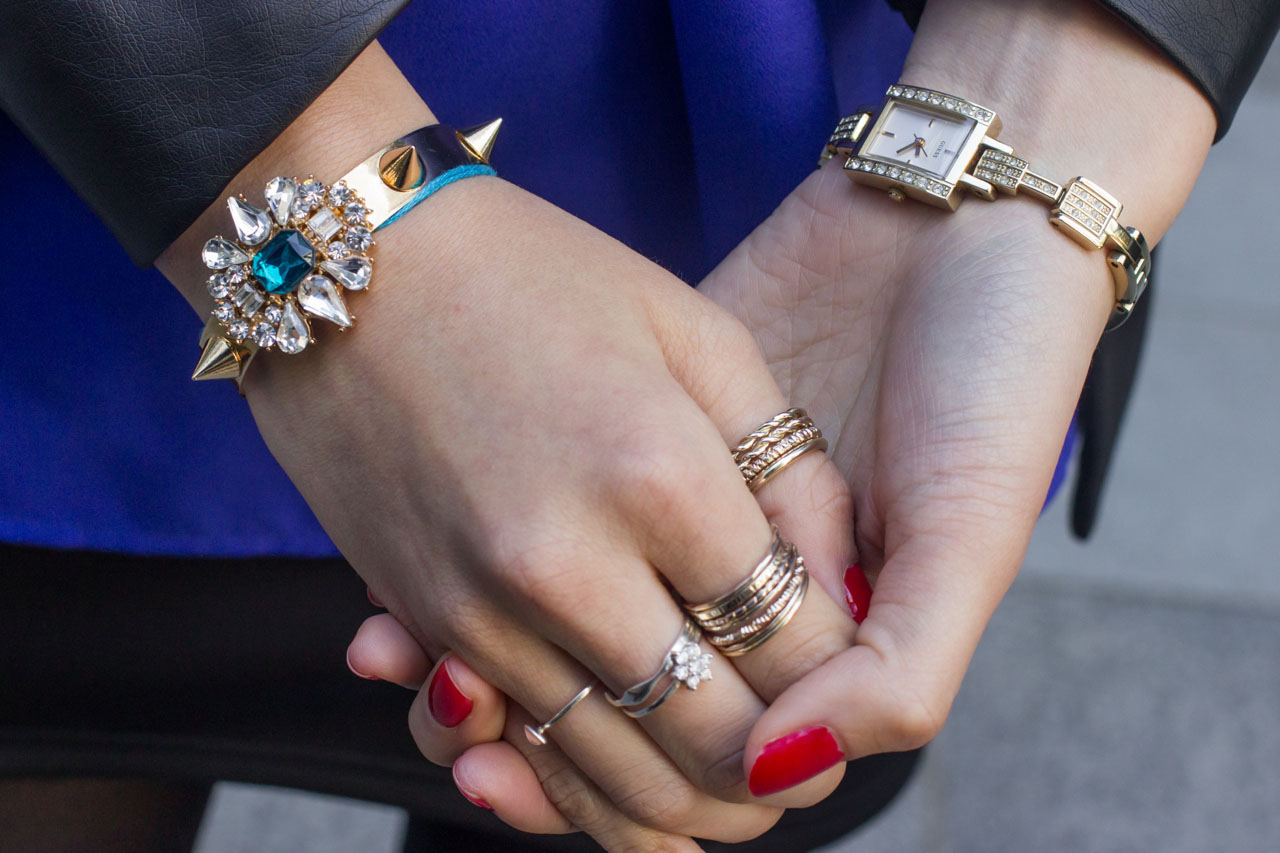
(383,649)
(612,614)
(495,776)
(702,528)
(810,501)
(581,803)
(893,690)
(455,711)
(619,758)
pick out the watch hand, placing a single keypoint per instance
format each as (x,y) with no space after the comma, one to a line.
(905,147)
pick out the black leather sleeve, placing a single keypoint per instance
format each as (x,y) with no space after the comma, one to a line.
(149,107)
(1218,44)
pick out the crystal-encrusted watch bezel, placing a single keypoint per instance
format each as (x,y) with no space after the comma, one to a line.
(333,221)
(895,177)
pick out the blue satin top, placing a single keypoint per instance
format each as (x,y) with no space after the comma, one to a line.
(676,127)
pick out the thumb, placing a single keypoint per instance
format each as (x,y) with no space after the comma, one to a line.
(893,689)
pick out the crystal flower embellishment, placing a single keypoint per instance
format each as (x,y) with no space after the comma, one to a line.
(289,263)
(692,665)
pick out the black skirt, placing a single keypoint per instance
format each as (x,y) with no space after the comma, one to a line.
(197,670)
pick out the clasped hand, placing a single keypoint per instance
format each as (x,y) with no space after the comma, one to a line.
(570,464)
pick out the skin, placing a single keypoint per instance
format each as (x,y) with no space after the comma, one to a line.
(503,448)
(943,354)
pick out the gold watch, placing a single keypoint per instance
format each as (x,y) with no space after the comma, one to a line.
(932,147)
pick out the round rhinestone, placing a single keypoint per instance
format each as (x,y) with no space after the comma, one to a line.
(894,171)
(239,330)
(264,335)
(218,286)
(299,209)
(880,169)
(355,213)
(339,194)
(359,238)
(223,312)
(337,250)
(273,313)
(311,193)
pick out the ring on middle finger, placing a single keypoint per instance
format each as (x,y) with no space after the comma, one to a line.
(749,614)
(763,454)
(684,664)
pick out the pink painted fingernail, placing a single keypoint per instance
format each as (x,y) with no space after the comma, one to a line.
(857,592)
(373,599)
(351,667)
(471,798)
(791,759)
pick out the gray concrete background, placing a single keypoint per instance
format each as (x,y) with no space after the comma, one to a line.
(1126,696)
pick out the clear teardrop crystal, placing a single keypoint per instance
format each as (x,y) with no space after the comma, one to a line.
(294,333)
(280,194)
(351,273)
(253,225)
(319,297)
(219,254)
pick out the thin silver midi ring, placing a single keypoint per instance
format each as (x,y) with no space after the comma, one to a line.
(537,735)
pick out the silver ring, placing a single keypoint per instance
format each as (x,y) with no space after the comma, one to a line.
(537,735)
(684,664)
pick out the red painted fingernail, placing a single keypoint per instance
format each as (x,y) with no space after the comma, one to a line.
(857,592)
(448,704)
(471,798)
(358,672)
(793,758)
(373,599)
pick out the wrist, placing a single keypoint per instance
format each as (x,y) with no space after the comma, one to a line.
(1078,93)
(369,104)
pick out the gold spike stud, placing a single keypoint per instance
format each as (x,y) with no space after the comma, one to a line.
(478,140)
(218,360)
(401,168)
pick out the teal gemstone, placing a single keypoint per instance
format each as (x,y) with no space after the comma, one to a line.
(284,261)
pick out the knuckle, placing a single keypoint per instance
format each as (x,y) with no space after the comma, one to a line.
(575,798)
(914,721)
(659,805)
(651,477)
(808,646)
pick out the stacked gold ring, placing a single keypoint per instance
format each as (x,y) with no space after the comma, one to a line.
(756,609)
(767,451)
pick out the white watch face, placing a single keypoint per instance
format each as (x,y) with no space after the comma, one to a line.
(914,136)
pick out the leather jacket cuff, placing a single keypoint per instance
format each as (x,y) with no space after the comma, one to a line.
(1219,45)
(150,110)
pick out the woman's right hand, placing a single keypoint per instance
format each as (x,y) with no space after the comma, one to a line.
(523,442)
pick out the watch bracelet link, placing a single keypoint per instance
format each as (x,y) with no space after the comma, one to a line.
(1082,209)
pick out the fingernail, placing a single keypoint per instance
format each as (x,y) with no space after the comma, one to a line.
(793,758)
(358,672)
(373,599)
(448,704)
(471,798)
(857,592)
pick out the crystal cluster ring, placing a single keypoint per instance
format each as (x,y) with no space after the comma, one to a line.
(774,445)
(684,664)
(761,605)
